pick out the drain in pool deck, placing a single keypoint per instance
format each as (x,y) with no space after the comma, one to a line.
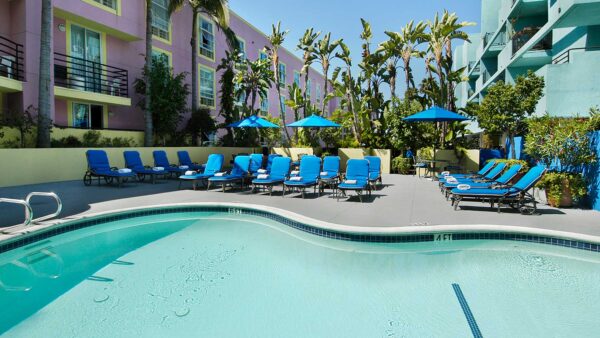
(467,311)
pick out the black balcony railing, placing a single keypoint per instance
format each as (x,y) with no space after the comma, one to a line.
(499,41)
(523,36)
(77,73)
(11,59)
(565,57)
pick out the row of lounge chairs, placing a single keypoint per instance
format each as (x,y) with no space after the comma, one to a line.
(492,184)
(361,174)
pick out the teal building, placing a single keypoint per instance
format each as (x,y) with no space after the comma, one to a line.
(556,39)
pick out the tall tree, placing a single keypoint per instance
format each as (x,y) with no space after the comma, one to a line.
(347,89)
(324,52)
(505,107)
(218,11)
(405,43)
(276,39)
(44,104)
(306,44)
(255,78)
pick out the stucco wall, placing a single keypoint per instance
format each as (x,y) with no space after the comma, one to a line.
(348,153)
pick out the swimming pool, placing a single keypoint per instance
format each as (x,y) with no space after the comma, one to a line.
(225,274)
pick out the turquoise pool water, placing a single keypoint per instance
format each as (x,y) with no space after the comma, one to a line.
(222,275)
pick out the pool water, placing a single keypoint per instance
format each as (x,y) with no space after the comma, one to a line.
(222,275)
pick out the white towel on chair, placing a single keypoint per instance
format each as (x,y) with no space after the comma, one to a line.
(262,176)
(262,171)
(219,174)
(190,173)
(463,187)
(158,169)
(183,167)
(324,173)
(295,172)
(451,179)
(350,181)
(124,171)
(296,178)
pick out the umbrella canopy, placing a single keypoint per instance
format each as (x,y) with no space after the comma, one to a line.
(435,114)
(314,121)
(253,122)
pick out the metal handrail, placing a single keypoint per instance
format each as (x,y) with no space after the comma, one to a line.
(565,57)
(46,194)
(28,211)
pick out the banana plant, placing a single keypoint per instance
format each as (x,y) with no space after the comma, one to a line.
(324,52)
(276,39)
(306,44)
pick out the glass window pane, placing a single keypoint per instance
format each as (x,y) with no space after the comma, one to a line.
(81,113)
(282,74)
(207,87)
(207,39)
(160,19)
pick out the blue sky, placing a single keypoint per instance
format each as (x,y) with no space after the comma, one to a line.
(342,17)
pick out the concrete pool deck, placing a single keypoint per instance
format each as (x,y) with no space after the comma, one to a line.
(402,201)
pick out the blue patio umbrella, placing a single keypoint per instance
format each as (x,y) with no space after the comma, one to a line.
(435,114)
(253,122)
(314,121)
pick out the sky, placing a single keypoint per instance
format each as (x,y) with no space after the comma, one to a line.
(342,19)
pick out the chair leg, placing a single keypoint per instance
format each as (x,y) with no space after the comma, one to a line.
(456,202)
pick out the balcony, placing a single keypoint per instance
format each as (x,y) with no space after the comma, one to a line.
(523,36)
(474,69)
(80,79)
(11,66)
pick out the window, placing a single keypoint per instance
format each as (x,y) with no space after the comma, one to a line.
(264,106)
(242,48)
(308,89)
(297,78)
(282,74)
(262,55)
(207,87)
(112,4)
(207,39)
(87,116)
(318,93)
(282,103)
(86,52)
(160,19)
(158,54)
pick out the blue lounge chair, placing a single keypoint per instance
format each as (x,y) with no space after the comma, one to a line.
(185,159)
(279,172)
(270,161)
(134,162)
(237,174)
(481,173)
(499,182)
(330,175)
(161,160)
(310,167)
(357,178)
(98,166)
(255,164)
(489,177)
(374,169)
(516,196)
(213,166)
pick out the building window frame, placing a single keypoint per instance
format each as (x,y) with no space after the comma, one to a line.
(282,105)
(167,38)
(309,90)
(167,53)
(208,104)
(297,78)
(71,120)
(201,33)
(264,106)
(262,54)
(282,74)
(242,43)
(319,93)
(102,6)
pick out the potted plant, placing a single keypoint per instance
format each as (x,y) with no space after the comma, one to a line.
(563,145)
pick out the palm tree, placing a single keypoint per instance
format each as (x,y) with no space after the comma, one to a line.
(44,106)
(407,41)
(324,52)
(218,11)
(254,78)
(442,31)
(276,39)
(348,86)
(306,45)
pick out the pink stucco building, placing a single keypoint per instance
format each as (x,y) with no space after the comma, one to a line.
(98,48)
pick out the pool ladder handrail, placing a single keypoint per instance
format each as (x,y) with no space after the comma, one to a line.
(29,211)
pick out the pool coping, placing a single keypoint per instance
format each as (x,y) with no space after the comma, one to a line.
(399,234)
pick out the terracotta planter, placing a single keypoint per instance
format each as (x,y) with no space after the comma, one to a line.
(565,200)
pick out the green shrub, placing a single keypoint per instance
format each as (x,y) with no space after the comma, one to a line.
(553,184)
(92,139)
(66,142)
(510,162)
(401,165)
